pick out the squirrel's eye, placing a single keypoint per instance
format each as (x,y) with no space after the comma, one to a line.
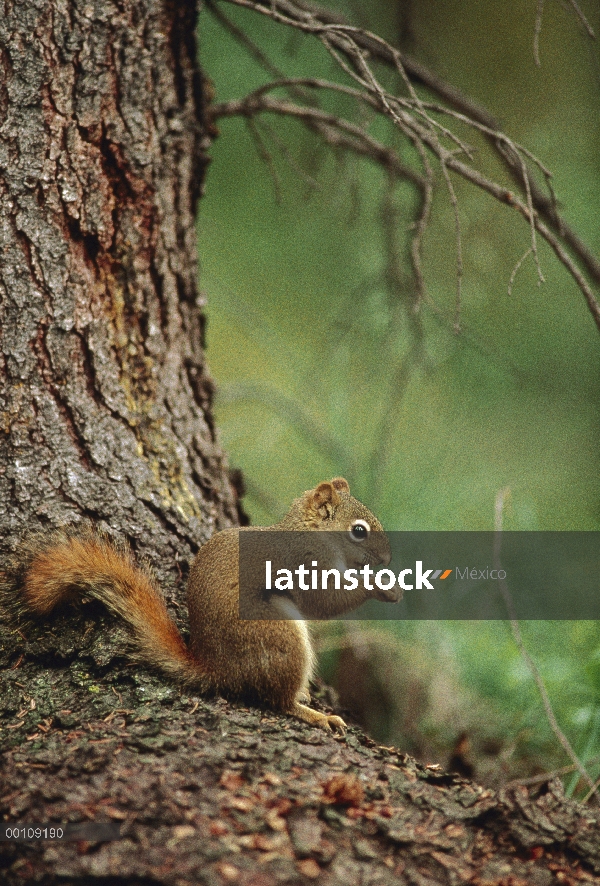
(359,530)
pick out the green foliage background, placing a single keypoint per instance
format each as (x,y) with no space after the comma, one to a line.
(320,372)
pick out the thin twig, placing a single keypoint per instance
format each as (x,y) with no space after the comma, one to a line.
(250,46)
(534,249)
(545,776)
(539,12)
(291,83)
(516,270)
(312,183)
(420,225)
(265,156)
(592,790)
(583,19)
(492,133)
(518,638)
(459,257)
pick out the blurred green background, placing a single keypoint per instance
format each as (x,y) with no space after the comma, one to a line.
(321,371)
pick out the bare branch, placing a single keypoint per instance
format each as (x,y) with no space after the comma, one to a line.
(331,127)
(251,48)
(353,50)
(356,45)
(495,134)
(505,196)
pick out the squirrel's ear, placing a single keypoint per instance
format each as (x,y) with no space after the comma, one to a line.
(340,484)
(324,499)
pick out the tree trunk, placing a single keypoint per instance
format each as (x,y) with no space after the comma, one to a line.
(105,413)
(105,400)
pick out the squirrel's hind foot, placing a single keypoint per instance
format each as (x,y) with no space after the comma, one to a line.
(329,722)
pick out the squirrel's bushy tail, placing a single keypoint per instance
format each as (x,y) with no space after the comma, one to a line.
(49,570)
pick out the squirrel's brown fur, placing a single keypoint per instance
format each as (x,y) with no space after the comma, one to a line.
(268,661)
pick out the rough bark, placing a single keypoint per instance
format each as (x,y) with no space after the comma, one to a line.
(207,793)
(105,413)
(105,402)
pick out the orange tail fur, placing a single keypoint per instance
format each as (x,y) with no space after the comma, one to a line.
(52,570)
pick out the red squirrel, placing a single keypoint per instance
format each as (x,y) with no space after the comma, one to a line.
(268,661)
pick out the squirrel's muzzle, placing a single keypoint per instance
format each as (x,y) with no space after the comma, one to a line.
(388,595)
